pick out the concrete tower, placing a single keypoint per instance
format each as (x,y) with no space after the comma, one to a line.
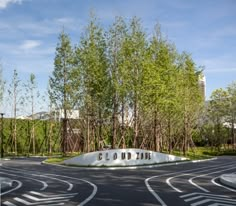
(202,85)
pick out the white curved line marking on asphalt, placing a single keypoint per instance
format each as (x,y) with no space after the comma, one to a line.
(7,203)
(90,183)
(203,194)
(36,199)
(43,195)
(219,204)
(37,203)
(153,192)
(169,183)
(62,203)
(220,201)
(201,188)
(45,185)
(196,185)
(220,185)
(46,176)
(178,190)
(157,176)
(16,188)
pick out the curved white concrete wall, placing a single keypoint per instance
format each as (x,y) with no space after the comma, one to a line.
(121,157)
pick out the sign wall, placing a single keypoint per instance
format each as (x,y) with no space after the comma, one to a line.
(121,157)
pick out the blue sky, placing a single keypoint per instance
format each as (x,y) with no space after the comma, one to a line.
(206,29)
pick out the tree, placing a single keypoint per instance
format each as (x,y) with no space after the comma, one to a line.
(231,89)
(121,76)
(217,112)
(190,97)
(14,92)
(116,37)
(63,89)
(134,48)
(32,96)
(95,82)
(159,91)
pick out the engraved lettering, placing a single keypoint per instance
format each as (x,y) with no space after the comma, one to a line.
(100,156)
(107,157)
(129,155)
(114,156)
(123,155)
(141,156)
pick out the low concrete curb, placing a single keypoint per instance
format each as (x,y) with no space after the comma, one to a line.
(5,182)
(229,180)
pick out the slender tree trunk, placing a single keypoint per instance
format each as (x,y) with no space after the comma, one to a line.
(50,139)
(93,116)
(33,126)
(169,136)
(33,136)
(64,136)
(185,136)
(29,136)
(93,133)
(135,144)
(160,136)
(65,109)
(15,123)
(50,133)
(88,134)
(233,134)
(100,130)
(156,134)
(15,136)
(32,129)
(115,102)
(123,124)
(114,121)
(218,136)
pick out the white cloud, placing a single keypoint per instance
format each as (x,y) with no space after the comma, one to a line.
(47,26)
(30,44)
(223,63)
(174,24)
(220,70)
(5,3)
(64,20)
(226,31)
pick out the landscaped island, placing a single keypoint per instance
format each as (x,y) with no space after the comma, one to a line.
(121,157)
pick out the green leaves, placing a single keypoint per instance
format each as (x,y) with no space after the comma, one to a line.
(63,84)
(123,80)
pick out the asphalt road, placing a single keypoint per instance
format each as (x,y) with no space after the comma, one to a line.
(183,184)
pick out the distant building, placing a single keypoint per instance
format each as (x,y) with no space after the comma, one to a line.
(228,125)
(71,114)
(57,114)
(202,85)
(40,116)
(36,116)
(22,117)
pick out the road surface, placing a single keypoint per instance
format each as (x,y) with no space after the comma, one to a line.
(194,184)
